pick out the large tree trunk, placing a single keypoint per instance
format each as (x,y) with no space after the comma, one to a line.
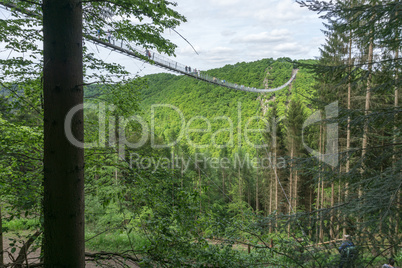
(63,202)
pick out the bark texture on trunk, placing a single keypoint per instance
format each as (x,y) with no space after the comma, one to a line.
(1,240)
(63,162)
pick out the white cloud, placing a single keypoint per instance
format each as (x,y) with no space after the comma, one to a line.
(224,3)
(228,33)
(227,50)
(264,37)
(253,28)
(188,50)
(290,48)
(281,12)
(219,55)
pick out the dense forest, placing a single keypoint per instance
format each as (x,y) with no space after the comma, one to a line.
(182,173)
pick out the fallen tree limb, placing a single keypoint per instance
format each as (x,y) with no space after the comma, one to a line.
(109,255)
(23,254)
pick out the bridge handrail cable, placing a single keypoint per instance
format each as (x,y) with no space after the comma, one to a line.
(164,62)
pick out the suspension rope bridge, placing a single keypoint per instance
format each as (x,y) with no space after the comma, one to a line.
(159,60)
(166,63)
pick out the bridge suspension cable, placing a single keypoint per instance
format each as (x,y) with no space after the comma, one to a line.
(159,60)
(166,63)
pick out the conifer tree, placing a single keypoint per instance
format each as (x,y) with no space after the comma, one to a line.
(368,74)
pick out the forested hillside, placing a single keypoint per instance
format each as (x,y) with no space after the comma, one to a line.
(196,98)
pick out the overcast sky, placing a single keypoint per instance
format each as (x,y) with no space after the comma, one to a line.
(230,31)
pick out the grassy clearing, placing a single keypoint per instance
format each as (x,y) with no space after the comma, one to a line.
(20,224)
(111,241)
(116,241)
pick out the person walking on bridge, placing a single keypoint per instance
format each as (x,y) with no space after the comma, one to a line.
(109,36)
(148,53)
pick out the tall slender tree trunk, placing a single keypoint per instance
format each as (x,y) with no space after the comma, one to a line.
(347,168)
(366,113)
(1,240)
(264,199)
(367,106)
(291,180)
(63,202)
(257,201)
(240,192)
(296,192)
(396,105)
(332,224)
(318,202)
(223,184)
(182,170)
(271,197)
(276,187)
(310,220)
(322,149)
(172,172)
(339,224)
(207,193)
(249,193)
(322,206)
(199,186)
(291,185)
